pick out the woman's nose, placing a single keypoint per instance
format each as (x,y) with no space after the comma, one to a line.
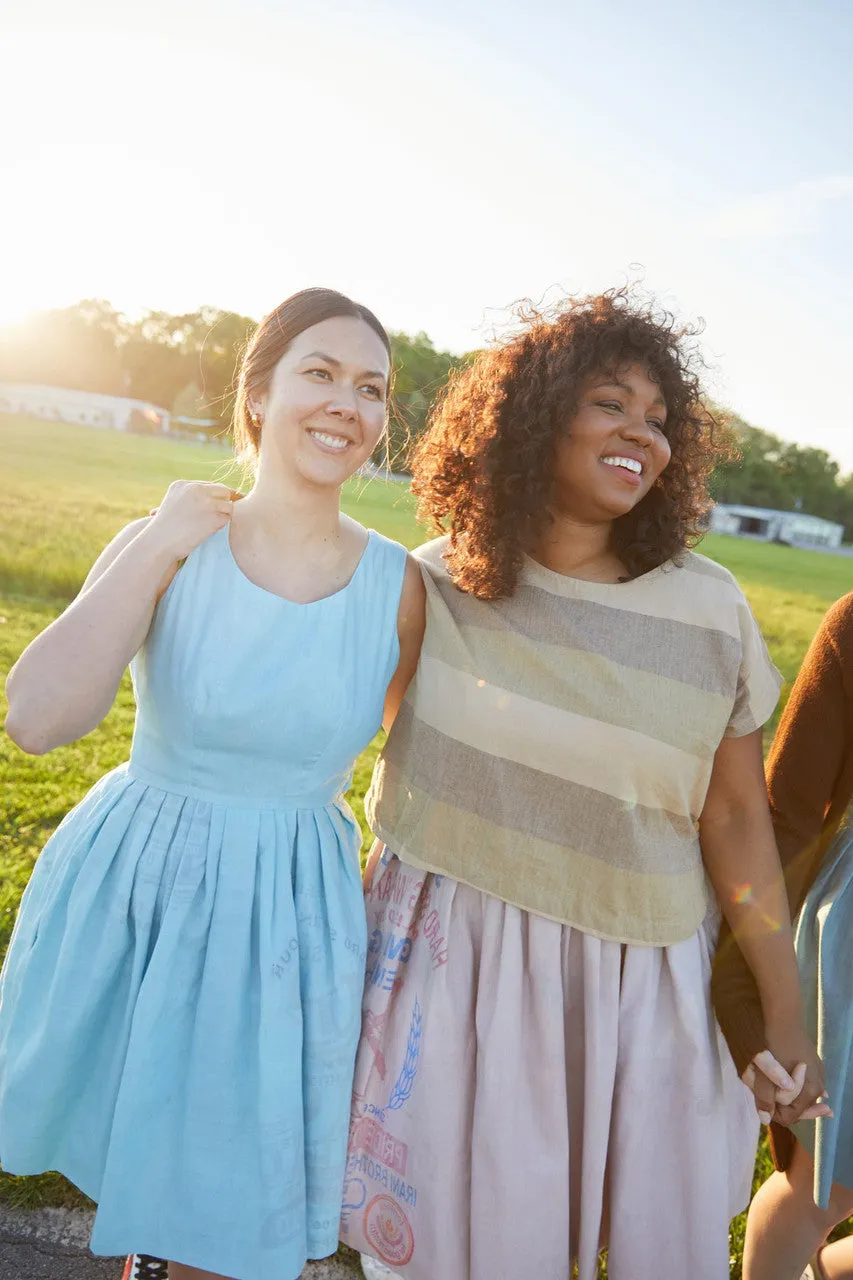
(636,428)
(343,405)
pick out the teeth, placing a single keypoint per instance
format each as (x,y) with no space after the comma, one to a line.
(631,464)
(334,442)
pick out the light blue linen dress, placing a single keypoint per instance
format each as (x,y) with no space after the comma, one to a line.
(823,941)
(180,1005)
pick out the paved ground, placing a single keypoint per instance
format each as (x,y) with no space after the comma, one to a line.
(51,1245)
(25,1260)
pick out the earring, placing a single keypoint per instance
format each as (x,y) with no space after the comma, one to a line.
(256,419)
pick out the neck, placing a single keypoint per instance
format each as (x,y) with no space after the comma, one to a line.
(288,511)
(578,548)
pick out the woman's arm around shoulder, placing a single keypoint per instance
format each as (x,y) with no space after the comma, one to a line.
(411,622)
(66,680)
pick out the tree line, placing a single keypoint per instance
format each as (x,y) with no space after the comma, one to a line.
(186,364)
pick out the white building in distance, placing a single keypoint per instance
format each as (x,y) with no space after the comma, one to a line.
(793,528)
(60,404)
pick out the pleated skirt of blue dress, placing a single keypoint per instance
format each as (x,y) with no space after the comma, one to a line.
(186,993)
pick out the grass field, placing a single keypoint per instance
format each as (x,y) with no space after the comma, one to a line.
(66,491)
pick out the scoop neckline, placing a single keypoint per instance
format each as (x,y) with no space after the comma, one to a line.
(297,604)
(566,582)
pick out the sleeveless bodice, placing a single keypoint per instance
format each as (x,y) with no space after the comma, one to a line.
(247,699)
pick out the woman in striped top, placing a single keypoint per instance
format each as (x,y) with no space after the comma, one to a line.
(579,754)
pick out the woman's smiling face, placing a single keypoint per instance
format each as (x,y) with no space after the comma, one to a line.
(614,448)
(325,407)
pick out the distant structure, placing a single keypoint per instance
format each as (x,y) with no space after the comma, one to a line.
(793,528)
(60,404)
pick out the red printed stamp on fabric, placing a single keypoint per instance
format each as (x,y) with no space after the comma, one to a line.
(387,1229)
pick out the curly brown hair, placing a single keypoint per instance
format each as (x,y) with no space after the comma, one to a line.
(485,467)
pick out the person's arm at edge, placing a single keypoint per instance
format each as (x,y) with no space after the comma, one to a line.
(66,680)
(803,768)
(808,756)
(411,622)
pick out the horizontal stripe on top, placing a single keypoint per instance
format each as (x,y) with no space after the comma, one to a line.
(704,657)
(649,596)
(672,710)
(576,748)
(530,802)
(645,908)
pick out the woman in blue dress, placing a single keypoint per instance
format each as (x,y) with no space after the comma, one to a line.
(180,1005)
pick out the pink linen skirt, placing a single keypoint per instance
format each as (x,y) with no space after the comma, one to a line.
(526,1094)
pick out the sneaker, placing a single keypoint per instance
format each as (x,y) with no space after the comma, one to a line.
(373,1270)
(141,1266)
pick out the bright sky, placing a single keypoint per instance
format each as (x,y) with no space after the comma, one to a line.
(438,160)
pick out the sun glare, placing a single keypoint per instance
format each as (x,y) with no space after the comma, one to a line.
(102,193)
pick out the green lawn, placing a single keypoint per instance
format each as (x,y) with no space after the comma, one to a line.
(66,491)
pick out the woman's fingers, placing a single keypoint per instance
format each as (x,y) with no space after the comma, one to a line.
(221,490)
(769,1081)
(209,488)
(215,487)
(808,1103)
(816,1110)
(790,1115)
(780,1095)
(764,1093)
(774,1071)
(785,1097)
(813,1090)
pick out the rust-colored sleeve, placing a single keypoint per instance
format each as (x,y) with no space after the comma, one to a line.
(810,760)
(810,784)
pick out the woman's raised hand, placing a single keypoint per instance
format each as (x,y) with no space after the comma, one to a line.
(190,512)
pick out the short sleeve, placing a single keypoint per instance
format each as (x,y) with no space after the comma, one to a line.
(758,681)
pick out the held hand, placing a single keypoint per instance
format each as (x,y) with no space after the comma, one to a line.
(800,1107)
(798,1097)
(189,513)
(773,1101)
(789,1104)
(770,1082)
(790,1045)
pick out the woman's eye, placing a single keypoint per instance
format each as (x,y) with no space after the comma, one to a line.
(319,373)
(657,424)
(610,404)
(375,392)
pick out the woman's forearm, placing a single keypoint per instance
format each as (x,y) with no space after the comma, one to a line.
(742,862)
(66,680)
